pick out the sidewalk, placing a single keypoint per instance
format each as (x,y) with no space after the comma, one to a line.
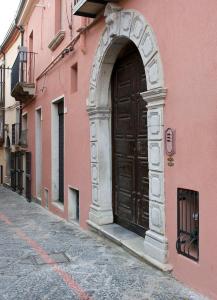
(44,257)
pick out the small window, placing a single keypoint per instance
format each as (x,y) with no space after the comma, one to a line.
(31,42)
(74,78)
(46,197)
(73,204)
(188,223)
(58,15)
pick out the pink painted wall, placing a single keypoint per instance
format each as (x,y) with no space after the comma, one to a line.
(186,34)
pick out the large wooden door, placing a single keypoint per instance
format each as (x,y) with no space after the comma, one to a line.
(19,171)
(130,149)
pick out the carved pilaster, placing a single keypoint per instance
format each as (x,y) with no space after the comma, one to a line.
(155,244)
(101,208)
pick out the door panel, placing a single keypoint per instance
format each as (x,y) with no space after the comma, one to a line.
(130,149)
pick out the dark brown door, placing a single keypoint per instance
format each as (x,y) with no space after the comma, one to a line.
(19,171)
(130,149)
(28,176)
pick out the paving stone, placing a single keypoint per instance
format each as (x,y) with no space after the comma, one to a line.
(100,268)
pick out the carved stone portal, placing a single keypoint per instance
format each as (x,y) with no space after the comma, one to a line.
(122,26)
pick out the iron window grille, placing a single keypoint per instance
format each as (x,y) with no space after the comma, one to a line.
(188,223)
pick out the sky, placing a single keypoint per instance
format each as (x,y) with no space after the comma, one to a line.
(7,15)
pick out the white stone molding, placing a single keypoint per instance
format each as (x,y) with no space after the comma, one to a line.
(101,208)
(121,27)
(155,244)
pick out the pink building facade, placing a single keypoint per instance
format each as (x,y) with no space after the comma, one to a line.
(122,122)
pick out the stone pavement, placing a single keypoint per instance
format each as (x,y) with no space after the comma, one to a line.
(44,257)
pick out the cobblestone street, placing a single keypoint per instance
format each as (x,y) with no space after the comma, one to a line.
(44,257)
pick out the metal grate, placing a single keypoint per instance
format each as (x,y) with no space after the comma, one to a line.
(23,70)
(188,223)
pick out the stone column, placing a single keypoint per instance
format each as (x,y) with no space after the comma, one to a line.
(155,244)
(100,141)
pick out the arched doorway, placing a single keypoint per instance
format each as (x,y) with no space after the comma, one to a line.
(130,181)
(124,26)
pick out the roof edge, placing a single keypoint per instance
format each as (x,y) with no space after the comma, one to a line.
(13,29)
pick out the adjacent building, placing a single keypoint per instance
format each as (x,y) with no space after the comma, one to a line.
(118,124)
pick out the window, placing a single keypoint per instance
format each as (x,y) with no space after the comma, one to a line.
(31,42)
(58,151)
(24,131)
(74,78)
(58,15)
(188,223)
(73,204)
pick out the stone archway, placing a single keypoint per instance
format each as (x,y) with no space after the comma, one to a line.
(122,26)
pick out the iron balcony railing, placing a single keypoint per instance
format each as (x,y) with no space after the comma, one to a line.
(23,70)
(23,138)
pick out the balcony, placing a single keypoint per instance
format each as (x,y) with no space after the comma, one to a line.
(23,76)
(89,8)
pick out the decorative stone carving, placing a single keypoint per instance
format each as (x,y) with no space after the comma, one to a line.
(157,217)
(154,73)
(110,9)
(155,153)
(155,124)
(154,98)
(93,132)
(137,28)
(94,155)
(91,99)
(156,188)
(97,113)
(94,173)
(147,46)
(126,21)
(113,24)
